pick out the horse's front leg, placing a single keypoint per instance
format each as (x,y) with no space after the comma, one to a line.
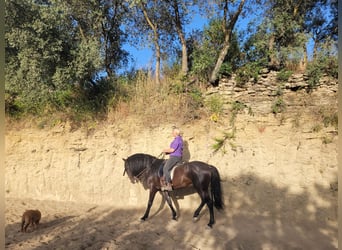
(153,192)
(168,200)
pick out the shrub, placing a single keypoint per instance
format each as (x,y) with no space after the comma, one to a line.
(278,106)
(220,142)
(314,74)
(284,75)
(215,104)
(323,64)
(245,73)
(235,109)
(226,70)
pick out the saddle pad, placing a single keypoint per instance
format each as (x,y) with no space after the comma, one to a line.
(176,166)
(172,170)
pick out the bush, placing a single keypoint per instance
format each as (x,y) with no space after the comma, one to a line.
(278,106)
(215,104)
(284,75)
(245,73)
(220,142)
(226,70)
(322,65)
(314,75)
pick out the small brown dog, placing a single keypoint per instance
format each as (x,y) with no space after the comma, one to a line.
(30,217)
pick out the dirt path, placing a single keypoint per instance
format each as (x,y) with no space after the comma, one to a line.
(67,225)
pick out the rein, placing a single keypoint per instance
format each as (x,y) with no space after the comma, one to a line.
(137,177)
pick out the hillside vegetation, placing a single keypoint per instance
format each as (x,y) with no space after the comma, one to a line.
(67,60)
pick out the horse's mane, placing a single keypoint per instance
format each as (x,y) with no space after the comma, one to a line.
(138,162)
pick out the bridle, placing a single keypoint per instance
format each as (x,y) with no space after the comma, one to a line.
(138,176)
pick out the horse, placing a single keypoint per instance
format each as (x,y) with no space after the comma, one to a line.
(204,178)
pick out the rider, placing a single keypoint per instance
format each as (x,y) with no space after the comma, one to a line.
(176,152)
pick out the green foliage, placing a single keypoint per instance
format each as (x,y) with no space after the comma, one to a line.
(327,139)
(328,117)
(53,56)
(226,70)
(247,72)
(284,75)
(64,55)
(314,75)
(278,106)
(205,48)
(221,142)
(324,63)
(215,104)
(235,109)
(195,100)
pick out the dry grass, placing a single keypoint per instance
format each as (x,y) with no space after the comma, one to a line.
(157,104)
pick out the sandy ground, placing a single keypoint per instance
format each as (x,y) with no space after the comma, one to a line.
(66,225)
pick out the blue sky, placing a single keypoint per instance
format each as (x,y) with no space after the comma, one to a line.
(144,57)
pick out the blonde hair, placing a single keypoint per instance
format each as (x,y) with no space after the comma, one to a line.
(176,130)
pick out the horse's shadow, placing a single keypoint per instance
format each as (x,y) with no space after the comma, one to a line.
(176,195)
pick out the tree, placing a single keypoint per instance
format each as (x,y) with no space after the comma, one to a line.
(178,14)
(56,51)
(145,26)
(113,37)
(229,19)
(37,49)
(204,48)
(160,23)
(321,23)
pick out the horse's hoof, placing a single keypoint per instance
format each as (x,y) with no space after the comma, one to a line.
(143,219)
(209,226)
(195,219)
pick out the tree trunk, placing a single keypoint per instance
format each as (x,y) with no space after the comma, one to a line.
(157,75)
(272,61)
(155,41)
(220,59)
(228,30)
(304,63)
(181,36)
(184,57)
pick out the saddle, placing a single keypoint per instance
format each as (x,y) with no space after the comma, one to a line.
(161,170)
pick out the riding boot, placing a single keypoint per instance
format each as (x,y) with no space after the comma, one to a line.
(168,187)
(162,181)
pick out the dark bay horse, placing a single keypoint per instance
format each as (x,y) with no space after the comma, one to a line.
(204,178)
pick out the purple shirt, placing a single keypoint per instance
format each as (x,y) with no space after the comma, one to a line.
(177,145)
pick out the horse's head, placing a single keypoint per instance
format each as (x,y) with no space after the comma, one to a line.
(128,169)
(137,165)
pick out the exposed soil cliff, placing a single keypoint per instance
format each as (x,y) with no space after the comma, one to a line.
(279,177)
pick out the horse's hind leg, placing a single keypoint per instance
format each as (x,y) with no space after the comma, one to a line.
(169,202)
(205,199)
(210,205)
(198,210)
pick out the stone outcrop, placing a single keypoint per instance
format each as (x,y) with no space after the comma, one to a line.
(261,95)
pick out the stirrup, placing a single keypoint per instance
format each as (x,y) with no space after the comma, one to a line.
(167,187)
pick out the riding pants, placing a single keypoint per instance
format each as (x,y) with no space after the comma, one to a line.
(170,163)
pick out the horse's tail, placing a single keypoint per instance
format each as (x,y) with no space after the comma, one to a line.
(216,189)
